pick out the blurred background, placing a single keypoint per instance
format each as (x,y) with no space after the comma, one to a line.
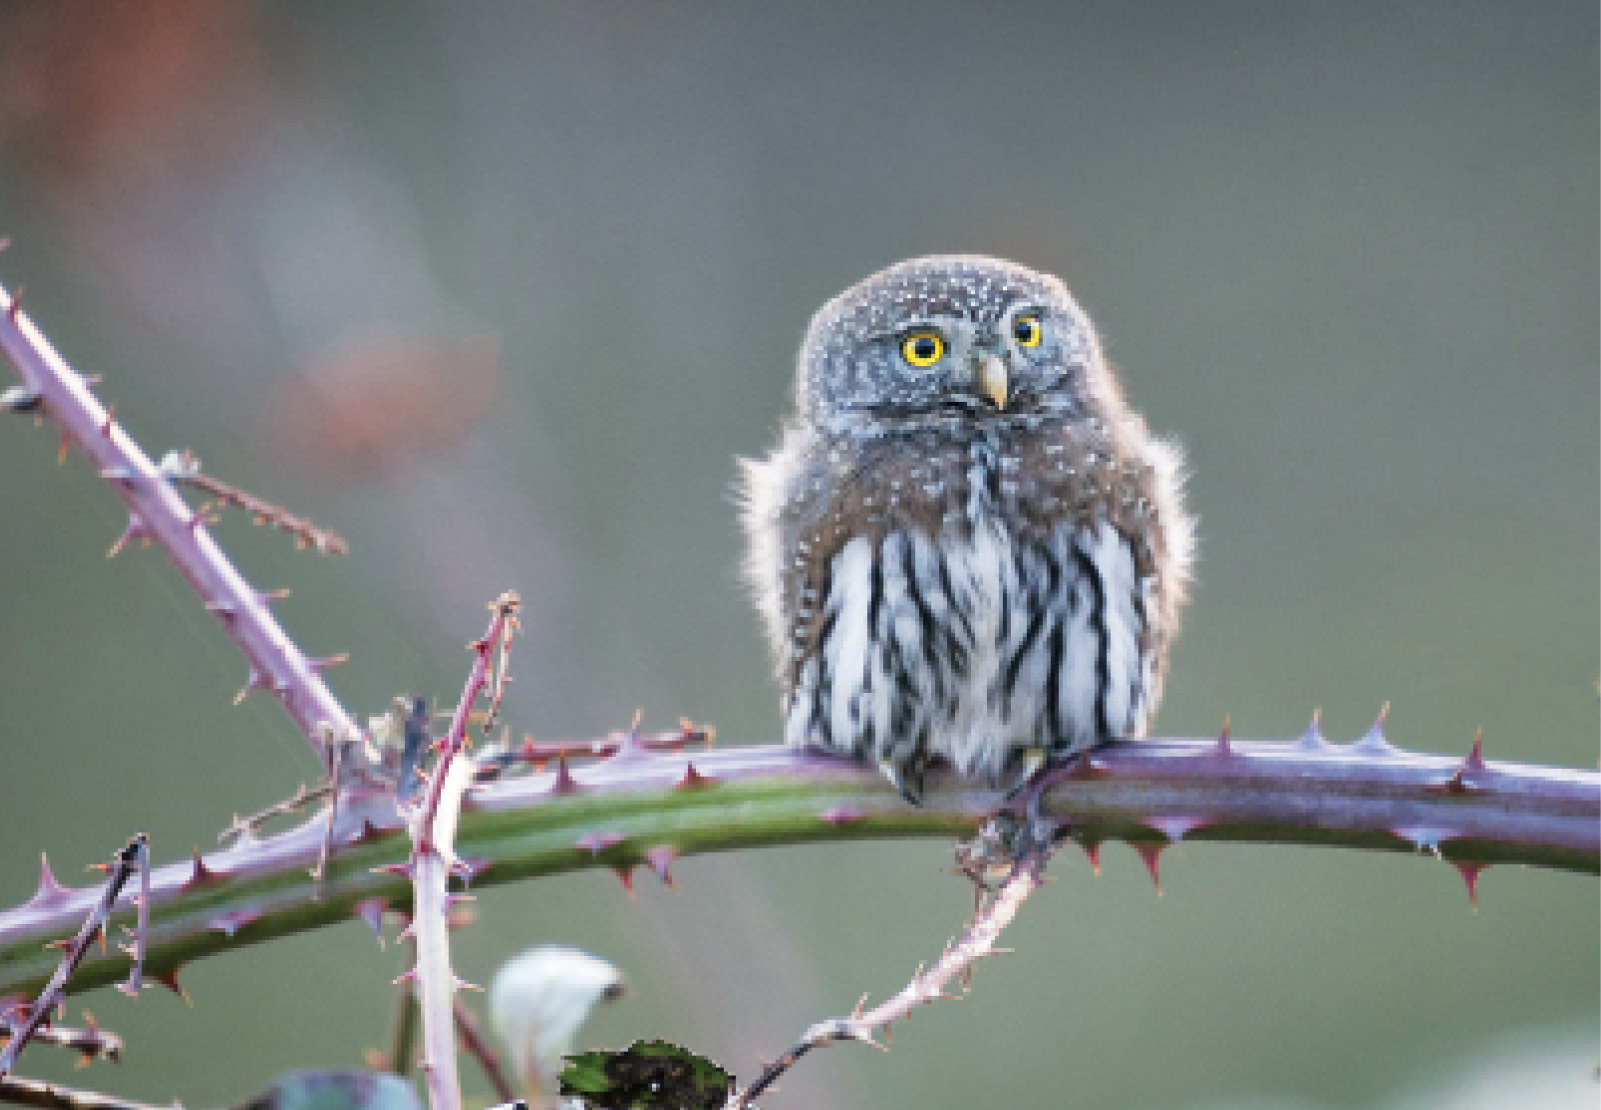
(500,291)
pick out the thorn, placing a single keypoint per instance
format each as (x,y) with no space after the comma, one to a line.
(461,984)
(625,873)
(564,782)
(1151,852)
(660,858)
(1373,741)
(597,842)
(318,665)
(401,869)
(1426,838)
(224,611)
(371,911)
(169,979)
(135,530)
(1475,757)
(1312,738)
(1223,751)
(1174,828)
(49,891)
(201,875)
(1092,849)
(841,815)
(692,779)
(267,597)
(231,922)
(405,977)
(1469,870)
(861,1004)
(16,298)
(256,681)
(111,418)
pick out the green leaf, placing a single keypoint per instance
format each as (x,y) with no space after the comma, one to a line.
(648,1075)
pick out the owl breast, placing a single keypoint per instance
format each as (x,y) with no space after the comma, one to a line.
(976,641)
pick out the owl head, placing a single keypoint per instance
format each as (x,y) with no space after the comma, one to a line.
(946,341)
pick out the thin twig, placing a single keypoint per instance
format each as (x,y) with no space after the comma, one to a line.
(183,468)
(477,1046)
(122,867)
(928,985)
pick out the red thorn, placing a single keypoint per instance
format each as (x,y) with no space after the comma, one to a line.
(61,451)
(461,984)
(1469,870)
(1475,757)
(1174,828)
(267,597)
(231,922)
(371,910)
(625,872)
(50,891)
(660,858)
(1150,851)
(1223,750)
(564,782)
(405,977)
(200,875)
(597,842)
(16,295)
(692,779)
(135,530)
(841,815)
(401,869)
(1092,850)
(169,979)
(111,420)
(326,661)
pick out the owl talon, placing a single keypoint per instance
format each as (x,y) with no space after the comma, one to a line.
(909,786)
(1034,761)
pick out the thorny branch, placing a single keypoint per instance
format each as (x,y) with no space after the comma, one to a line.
(157,512)
(1028,849)
(433,821)
(135,855)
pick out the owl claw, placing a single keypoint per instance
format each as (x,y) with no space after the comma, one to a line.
(1034,761)
(909,786)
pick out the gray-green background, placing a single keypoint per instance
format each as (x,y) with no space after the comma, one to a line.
(1346,252)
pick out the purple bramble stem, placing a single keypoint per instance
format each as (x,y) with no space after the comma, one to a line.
(157,512)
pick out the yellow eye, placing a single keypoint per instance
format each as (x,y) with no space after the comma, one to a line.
(1027,330)
(922,348)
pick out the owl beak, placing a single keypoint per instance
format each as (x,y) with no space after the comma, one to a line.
(992,378)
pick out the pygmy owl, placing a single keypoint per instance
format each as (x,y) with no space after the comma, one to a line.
(966,545)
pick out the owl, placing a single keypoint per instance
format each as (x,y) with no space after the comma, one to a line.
(966,547)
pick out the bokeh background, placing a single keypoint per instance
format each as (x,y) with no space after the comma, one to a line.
(500,291)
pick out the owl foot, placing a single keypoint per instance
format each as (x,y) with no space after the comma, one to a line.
(904,778)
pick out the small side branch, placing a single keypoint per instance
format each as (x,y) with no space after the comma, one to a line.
(927,985)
